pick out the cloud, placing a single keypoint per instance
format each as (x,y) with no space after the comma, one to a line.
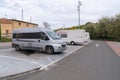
(59,12)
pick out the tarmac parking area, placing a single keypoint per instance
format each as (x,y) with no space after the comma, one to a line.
(38,59)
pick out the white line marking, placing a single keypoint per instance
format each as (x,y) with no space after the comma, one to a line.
(21,60)
(6,49)
(49,59)
(97,45)
(42,68)
(41,65)
(10,57)
(46,67)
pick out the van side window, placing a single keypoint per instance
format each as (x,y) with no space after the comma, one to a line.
(63,35)
(43,36)
(17,35)
(35,35)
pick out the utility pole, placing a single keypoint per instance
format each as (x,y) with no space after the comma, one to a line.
(30,18)
(63,26)
(6,16)
(79,4)
(22,14)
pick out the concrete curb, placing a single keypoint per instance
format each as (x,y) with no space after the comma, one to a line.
(10,77)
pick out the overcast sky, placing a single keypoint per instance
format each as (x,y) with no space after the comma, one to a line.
(59,12)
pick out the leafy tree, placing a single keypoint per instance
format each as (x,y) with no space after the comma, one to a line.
(73,28)
(106,28)
(103,27)
(90,27)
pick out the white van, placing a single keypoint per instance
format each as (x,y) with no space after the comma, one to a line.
(73,36)
(37,39)
(87,38)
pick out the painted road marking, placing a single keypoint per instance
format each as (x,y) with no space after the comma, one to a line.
(6,49)
(39,65)
(46,67)
(49,59)
(52,63)
(13,58)
(34,62)
(97,45)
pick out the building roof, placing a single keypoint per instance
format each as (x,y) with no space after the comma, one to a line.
(22,21)
(5,21)
(9,21)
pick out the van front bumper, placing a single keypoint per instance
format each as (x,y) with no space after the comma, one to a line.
(59,47)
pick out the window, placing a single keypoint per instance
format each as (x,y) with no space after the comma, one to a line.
(19,24)
(43,36)
(53,35)
(63,35)
(17,35)
(35,35)
(27,24)
(7,32)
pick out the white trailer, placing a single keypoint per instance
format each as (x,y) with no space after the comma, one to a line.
(37,39)
(74,36)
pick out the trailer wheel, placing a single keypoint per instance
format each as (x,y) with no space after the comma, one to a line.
(72,43)
(49,50)
(17,48)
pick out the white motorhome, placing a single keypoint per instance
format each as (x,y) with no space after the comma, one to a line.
(74,36)
(37,39)
(87,36)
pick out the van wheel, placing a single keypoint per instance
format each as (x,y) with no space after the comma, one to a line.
(17,48)
(49,50)
(72,43)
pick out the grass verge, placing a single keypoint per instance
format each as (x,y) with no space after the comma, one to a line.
(4,39)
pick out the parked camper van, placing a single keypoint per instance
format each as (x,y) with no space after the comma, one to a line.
(37,39)
(74,36)
(87,36)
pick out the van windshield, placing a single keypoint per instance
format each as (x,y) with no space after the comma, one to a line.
(53,35)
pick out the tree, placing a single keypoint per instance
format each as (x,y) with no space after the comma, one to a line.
(90,27)
(103,27)
(73,28)
(116,28)
(106,28)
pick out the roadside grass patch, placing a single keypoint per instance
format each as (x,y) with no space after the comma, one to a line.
(4,39)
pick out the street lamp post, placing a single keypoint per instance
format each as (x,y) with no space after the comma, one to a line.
(22,14)
(63,26)
(79,4)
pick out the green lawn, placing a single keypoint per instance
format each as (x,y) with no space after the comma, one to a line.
(3,39)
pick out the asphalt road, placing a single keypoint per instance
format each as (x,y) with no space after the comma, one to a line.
(95,61)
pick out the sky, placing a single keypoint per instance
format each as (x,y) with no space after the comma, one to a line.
(59,13)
